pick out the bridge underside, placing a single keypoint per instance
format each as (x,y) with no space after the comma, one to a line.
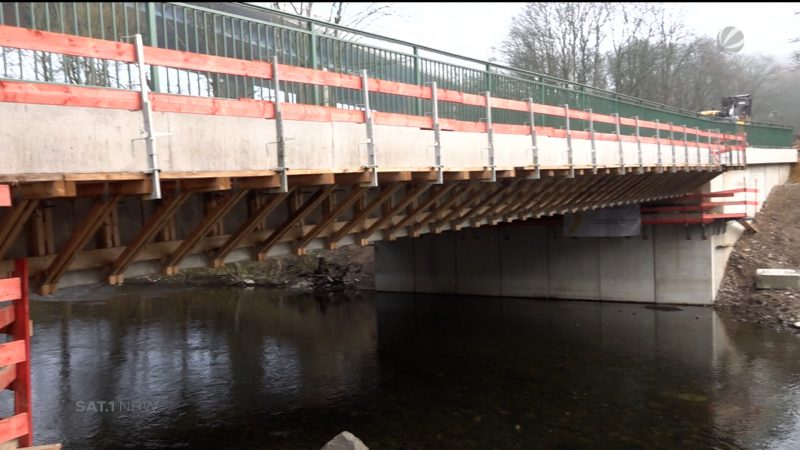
(83,231)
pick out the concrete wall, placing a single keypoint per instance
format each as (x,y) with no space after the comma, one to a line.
(57,139)
(670,264)
(664,266)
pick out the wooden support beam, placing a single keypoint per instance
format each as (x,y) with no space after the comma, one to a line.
(197,184)
(47,189)
(393,177)
(385,194)
(157,221)
(363,237)
(202,229)
(296,217)
(516,187)
(317,179)
(256,218)
(265,182)
(351,178)
(13,222)
(412,215)
(80,237)
(435,212)
(487,202)
(108,235)
(469,200)
(357,193)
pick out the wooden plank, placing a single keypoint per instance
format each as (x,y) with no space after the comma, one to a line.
(249,225)
(6,315)
(358,218)
(320,179)
(412,215)
(7,376)
(80,237)
(363,237)
(10,289)
(47,189)
(165,211)
(14,427)
(13,222)
(5,195)
(67,44)
(355,195)
(436,211)
(207,63)
(212,106)
(201,230)
(12,352)
(68,95)
(298,215)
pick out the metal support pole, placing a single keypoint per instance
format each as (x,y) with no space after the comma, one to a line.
(569,142)
(672,144)
(658,146)
(372,163)
(152,33)
(490,135)
(639,145)
(147,115)
(619,142)
(534,143)
(591,138)
(281,169)
(697,141)
(685,149)
(437,135)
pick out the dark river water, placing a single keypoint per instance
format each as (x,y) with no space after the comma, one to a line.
(144,367)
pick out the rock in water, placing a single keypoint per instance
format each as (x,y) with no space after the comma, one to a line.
(345,441)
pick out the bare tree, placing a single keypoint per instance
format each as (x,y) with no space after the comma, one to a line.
(346,14)
(560,39)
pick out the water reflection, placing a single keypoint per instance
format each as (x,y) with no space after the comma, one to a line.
(263,369)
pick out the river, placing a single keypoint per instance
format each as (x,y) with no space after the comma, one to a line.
(167,367)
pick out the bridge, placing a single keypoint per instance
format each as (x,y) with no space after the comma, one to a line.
(147,137)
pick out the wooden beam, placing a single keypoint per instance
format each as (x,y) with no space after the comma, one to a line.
(470,200)
(197,184)
(319,179)
(162,215)
(266,182)
(350,178)
(355,195)
(394,177)
(297,216)
(414,230)
(202,229)
(357,218)
(47,189)
(80,237)
(13,222)
(432,198)
(252,222)
(363,237)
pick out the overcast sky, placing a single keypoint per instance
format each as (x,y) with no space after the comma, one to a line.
(473,29)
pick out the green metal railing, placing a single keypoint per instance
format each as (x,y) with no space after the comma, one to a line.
(248,32)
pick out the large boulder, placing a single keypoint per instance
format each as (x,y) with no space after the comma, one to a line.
(345,441)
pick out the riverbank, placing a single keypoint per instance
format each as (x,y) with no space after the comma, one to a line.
(350,267)
(775,245)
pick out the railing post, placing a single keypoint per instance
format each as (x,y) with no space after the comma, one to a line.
(437,134)
(619,142)
(639,144)
(281,139)
(314,50)
(152,35)
(372,162)
(591,138)
(490,136)
(418,78)
(569,142)
(147,116)
(534,143)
